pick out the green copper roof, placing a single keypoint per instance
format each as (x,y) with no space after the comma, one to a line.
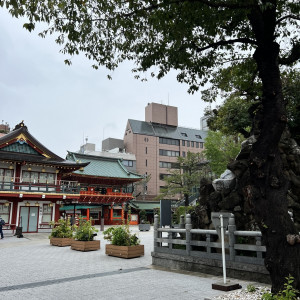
(167,131)
(145,205)
(20,148)
(102,166)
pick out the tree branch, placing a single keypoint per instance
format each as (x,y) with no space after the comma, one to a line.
(228,42)
(209,3)
(294,17)
(225,4)
(293,57)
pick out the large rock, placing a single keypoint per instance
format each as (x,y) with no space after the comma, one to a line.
(225,182)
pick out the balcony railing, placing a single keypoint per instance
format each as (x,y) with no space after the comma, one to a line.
(108,194)
(61,186)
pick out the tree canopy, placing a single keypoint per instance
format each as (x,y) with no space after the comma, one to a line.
(199,38)
(221,149)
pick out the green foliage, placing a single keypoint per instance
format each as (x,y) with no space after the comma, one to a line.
(186,177)
(291,90)
(288,293)
(62,230)
(197,38)
(84,231)
(143,216)
(251,288)
(231,118)
(221,149)
(121,236)
(181,211)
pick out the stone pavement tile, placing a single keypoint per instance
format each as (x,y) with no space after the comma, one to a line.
(148,284)
(35,261)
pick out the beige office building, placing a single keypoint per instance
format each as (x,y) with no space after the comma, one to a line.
(157,142)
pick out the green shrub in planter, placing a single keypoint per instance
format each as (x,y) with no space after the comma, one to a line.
(62,230)
(85,231)
(121,236)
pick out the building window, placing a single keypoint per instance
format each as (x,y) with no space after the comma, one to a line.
(6,175)
(38,177)
(183,143)
(201,145)
(183,134)
(167,141)
(146,163)
(146,150)
(127,163)
(183,153)
(47,213)
(164,164)
(198,136)
(197,144)
(168,165)
(192,144)
(4,212)
(188,143)
(168,152)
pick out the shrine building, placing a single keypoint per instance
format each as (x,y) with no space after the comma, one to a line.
(37,186)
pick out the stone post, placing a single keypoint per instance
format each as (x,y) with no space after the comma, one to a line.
(156,233)
(102,223)
(258,243)
(208,241)
(181,224)
(231,236)
(188,227)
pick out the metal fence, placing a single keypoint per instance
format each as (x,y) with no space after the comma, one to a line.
(240,246)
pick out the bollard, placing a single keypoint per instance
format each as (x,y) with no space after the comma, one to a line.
(181,224)
(156,225)
(231,230)
(102,224)
(188,227)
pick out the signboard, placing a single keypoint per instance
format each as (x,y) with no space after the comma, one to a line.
(165,213)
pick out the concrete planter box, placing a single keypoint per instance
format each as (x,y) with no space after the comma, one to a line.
(60,242)
(144,227)
(85,245)
(124,251)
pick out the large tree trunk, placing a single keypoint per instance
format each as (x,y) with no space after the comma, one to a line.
(266,189)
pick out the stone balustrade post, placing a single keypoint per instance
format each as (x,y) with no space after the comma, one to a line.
(181,224)
(258,243)
(231,237)
(188,227)
(156,233)
(208,241)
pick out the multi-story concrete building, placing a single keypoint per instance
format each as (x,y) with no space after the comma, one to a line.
(158,141)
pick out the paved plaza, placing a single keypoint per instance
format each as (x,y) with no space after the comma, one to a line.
(32,269)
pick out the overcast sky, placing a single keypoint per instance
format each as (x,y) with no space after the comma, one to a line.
(61,105)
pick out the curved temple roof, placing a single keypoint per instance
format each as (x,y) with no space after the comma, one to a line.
(20,146)
(100,166)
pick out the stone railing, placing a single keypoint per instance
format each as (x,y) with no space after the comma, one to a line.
(187,247)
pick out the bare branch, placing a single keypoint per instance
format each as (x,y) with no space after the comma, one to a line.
(227,42)
(294,17)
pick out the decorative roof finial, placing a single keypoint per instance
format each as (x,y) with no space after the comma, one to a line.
(18,126)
